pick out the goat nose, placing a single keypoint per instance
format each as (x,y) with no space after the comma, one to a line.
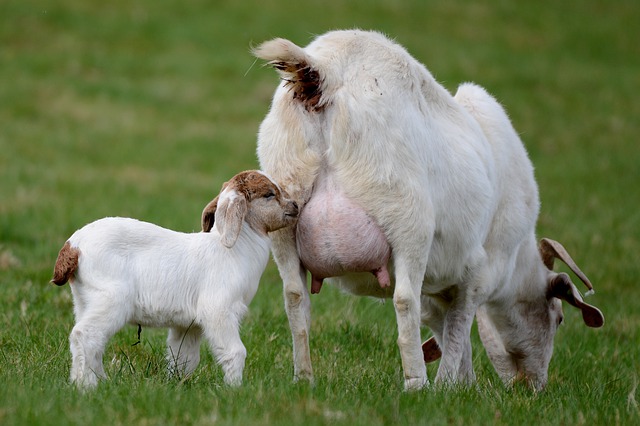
(294,209)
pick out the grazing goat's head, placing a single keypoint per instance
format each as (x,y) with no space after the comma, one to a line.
(519,340)
(253,197)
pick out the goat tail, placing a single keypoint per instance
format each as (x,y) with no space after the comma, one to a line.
(296,69)
(283,54)
(66,264)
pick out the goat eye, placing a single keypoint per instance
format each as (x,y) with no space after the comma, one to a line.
(560,319)
(269,195)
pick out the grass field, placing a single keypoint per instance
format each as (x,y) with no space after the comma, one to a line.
(144,108)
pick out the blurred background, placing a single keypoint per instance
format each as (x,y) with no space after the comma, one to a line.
(144,108)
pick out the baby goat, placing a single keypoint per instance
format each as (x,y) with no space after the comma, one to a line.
(126,271)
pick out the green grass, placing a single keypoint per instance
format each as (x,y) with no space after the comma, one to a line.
(144,108)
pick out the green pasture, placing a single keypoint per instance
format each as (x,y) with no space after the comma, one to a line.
(144,108)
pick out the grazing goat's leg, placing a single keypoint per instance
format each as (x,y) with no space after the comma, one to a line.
(298,308)
(456,364)
(406,300)
(296,300)
(467,374)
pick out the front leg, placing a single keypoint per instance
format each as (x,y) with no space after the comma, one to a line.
(296,300)
(455,365)
(406,300)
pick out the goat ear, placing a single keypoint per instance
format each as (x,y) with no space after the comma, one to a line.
(550,250)
(560,286)
(209,215)
(431,351)
(229,217)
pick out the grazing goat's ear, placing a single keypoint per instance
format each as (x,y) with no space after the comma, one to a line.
(209,215)
(560,286)
(550,250)
(232,208)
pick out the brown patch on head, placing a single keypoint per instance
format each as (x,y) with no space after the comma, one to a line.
(253,184)
(253,197)
(66,264)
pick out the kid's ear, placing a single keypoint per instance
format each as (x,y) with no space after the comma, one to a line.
(229,216)
(209,215)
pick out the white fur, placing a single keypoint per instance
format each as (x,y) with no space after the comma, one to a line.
(138,273)
(446,178)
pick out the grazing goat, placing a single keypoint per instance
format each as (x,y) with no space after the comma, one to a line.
(125,271)
(397,178)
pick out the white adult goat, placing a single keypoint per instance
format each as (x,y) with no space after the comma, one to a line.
(393,173)
(125,271)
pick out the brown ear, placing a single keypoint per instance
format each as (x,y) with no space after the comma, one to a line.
(209,215)
(550,250)
(431,351)
(229,216)
(561,287)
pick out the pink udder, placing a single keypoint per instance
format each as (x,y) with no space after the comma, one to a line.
(335,236)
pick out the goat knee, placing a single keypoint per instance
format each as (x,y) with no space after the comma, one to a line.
(293,297)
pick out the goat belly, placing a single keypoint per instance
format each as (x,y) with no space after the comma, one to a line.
(335,236)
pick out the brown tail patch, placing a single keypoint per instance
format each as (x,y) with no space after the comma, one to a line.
(295,68)
(66,264)
(305,85)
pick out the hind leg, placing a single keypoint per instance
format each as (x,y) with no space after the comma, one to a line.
(87,342)
(183,350)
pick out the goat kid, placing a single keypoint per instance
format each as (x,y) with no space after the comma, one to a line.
(125,271)
(410,193)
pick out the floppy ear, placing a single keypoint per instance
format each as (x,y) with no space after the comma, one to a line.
(209,215)
(561,287)
(232,208)
(550,250)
